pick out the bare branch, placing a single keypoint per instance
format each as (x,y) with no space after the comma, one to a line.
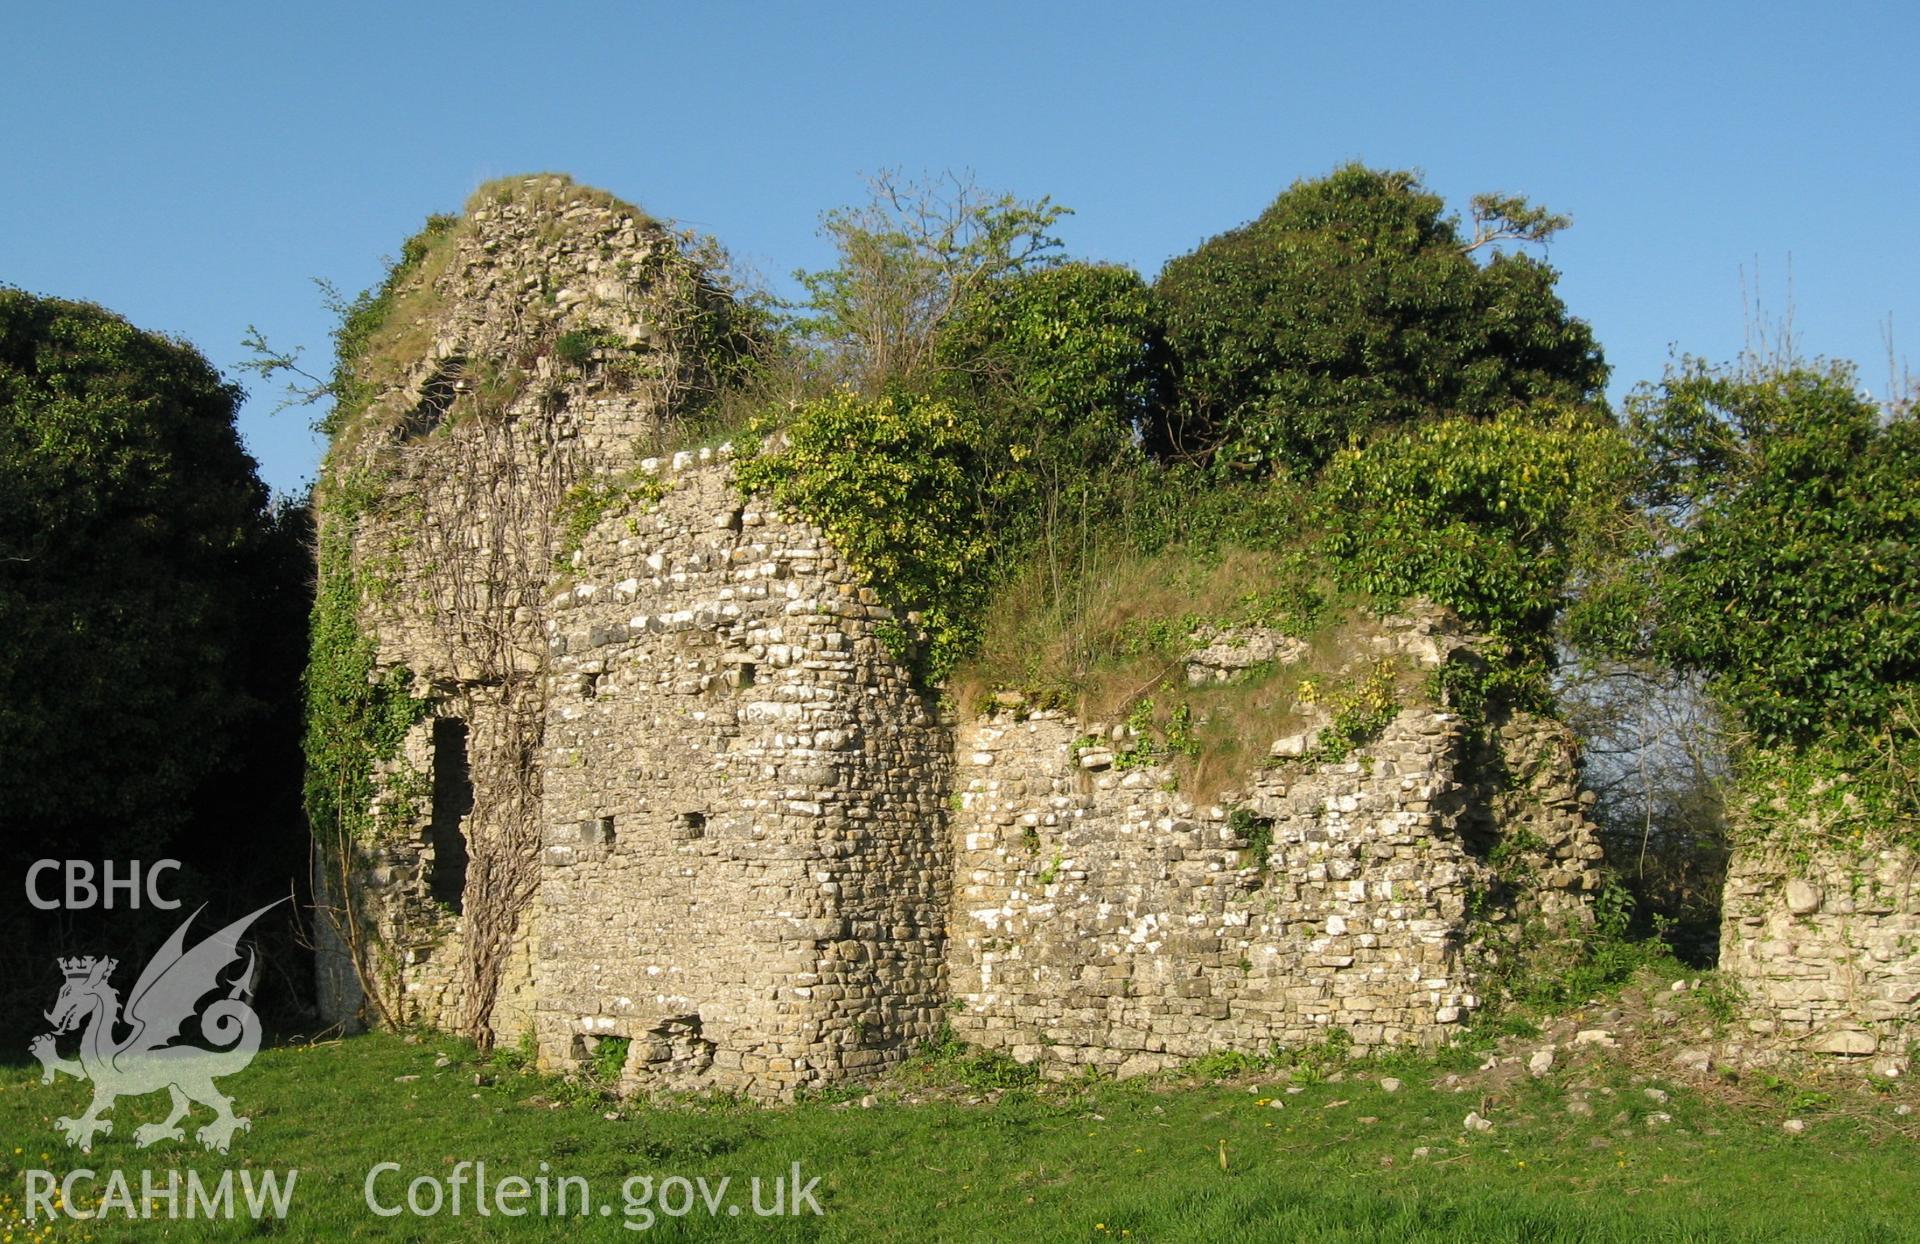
(908,260)
(267,363)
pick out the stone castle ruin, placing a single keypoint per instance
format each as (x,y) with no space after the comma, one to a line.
(659,778)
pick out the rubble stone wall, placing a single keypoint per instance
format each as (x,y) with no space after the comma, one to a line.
(744,870)
(1100,919)
(542,343)
(671,786)
(1826,948)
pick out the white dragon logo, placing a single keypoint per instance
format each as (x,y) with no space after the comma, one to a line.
(144,1061)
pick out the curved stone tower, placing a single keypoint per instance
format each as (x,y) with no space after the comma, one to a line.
(745,872)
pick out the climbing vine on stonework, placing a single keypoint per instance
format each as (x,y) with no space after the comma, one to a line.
(1498,520)
(354,720)
(587,503)
(1362,710)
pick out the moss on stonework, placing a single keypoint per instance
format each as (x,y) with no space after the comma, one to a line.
(592,501)
(1836,795)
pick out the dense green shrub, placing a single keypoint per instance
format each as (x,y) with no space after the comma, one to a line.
(998,397)
(138,552)
(152,608)
(895,481)
(1068,360)
(1792,581)
(1352,303)
(1500,521)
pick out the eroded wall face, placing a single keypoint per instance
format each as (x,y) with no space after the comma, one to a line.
(744,870)
(1827,950)
(538,345)
(1101,920)
(411,890)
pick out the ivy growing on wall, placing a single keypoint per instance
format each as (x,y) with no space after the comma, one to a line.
(1501,521)
(1790,504)
(892,481)
(354,720)
(585,505)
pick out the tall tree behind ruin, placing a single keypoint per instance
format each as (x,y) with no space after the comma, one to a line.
(153,602)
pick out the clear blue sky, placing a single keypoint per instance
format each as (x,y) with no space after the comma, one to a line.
(192,166)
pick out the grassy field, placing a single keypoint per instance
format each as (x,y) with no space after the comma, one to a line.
(935,1154)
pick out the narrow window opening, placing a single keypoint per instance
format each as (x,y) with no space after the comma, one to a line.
(452,801)
(691,825)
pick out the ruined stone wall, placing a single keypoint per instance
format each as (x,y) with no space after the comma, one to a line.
(1100,919)
(1827,949)
(744,869)
(670,786)
(537,348)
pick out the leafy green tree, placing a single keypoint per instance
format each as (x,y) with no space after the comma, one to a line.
(988,394)
(1353,303)
(128,514)
(1794,526)
(153,605)
(1069,356)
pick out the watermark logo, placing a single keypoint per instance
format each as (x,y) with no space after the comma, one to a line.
(169,993)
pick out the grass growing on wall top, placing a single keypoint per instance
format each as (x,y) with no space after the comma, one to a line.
(552,190)
(1076,636)
(1109,643)
(387,329)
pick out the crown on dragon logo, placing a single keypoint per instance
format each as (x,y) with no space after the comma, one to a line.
(156,1052)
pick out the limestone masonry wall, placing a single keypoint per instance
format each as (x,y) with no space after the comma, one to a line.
(1100,919)
(1827,948)
(534,349)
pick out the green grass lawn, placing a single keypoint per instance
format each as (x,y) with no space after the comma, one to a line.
(1130,1161)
